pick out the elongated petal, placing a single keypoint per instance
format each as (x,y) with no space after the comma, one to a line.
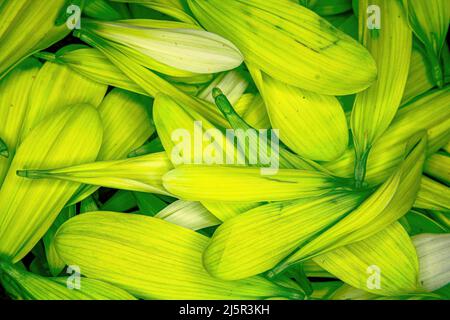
(232,83)
(331,7)
(245,184)
(191,50)
(312,269)
(290,43)
(150,258)
(28,208)
(57,86)
(312,125)
(417,223)
(188,214)
(25,285)
(430,112)
(323,290)
(14,91)
(390,45)
(387,204)
(126,121)
(419,77)
(252,109)
(433,251)
(94,65)
(127,125)
(136,174)
(104,10)
(148,203)
(147,148)
(429,21)
(384,264)
(255,241)
(121,201)
(433,195)
(55,264)
(27,27)
(178,128)
(346,292)
(152,83)
(227,210)
(171,8)
(170,118)
(437,166)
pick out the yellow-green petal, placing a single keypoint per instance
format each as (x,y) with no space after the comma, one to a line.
(388,203)
(27,27)
(246,184)
(29,207)
(383,264)
(55,87)
(312,125)
(290,43)
(255,241)
(126,125)
(189,214)
(390,44)
(14,91)
(143,174)
(433,195)
(151,259)
(24,285)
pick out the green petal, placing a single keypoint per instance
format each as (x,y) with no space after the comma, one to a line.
(389,252)
(331,7)
(121,201)
(23,285)
(246,184)
(433,195)
(14,91)
(151,259)
(143,174)
(232,83)
(187,49)
(387,204)
(417,222)
(104,10)
(430,113)
(255,241)
(27,27)
(252,109)
(71,89)
(419,77)
(171,8)
(55,264)
(312,125)
(152,83)
(127,125)
(390,46)
(188,214)
(27,207)
(437,166)
(429,21)
(328,56)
